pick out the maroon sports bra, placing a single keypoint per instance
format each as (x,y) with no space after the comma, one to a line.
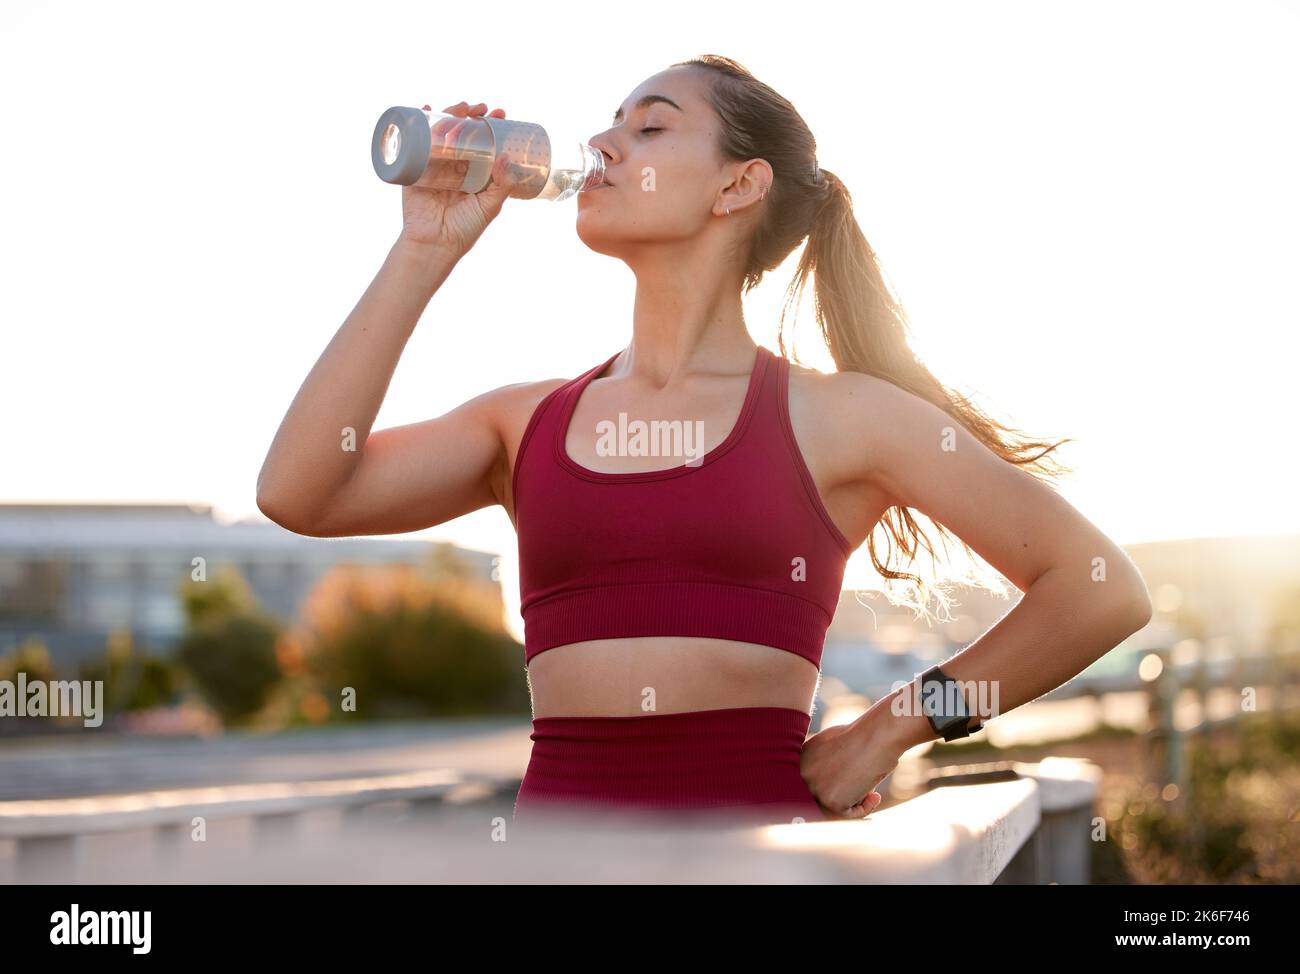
(736,545)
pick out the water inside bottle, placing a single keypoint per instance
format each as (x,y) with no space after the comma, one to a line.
(463,149)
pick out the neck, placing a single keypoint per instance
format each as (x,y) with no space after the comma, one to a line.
(685,320)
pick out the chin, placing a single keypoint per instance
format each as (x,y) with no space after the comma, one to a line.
(597,238)
(605,247)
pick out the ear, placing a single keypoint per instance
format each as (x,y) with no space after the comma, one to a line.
(750,184)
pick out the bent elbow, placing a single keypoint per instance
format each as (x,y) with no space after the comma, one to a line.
(279,514)
(1138,609)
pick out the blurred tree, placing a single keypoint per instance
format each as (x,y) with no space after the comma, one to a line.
(411,645)
(133,680)
(233,662)
(30,657)
(230,645)
(225,593)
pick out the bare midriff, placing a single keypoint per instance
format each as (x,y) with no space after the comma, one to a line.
(667,674)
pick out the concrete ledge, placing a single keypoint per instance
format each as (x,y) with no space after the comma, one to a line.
(1031,829)
(114,813)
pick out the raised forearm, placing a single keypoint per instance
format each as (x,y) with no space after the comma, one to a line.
(1062,625)
(309,460)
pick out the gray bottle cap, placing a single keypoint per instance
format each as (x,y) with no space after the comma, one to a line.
(413,153)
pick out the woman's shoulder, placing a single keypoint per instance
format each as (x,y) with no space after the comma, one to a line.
(833,390)
(830,409)
(513,405)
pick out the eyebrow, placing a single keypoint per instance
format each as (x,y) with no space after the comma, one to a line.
(647,100)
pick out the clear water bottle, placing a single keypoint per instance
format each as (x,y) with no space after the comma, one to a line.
(441,151)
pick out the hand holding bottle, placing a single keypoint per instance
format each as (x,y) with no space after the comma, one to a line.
(449,220)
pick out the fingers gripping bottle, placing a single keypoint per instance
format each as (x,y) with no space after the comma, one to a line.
(448,152)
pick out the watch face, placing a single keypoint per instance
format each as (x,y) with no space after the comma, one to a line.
(934,704)
(932,699)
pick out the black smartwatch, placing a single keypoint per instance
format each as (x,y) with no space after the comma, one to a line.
(945,707)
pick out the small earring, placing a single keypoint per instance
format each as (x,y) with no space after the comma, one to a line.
(728,211)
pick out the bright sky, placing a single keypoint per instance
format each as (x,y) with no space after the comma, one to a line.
(1089,210)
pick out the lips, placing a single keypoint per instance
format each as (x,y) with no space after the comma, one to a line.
(603,184)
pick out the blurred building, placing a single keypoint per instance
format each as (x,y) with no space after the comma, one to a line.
(72,573)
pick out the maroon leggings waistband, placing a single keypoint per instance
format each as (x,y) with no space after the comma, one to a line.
(736,764)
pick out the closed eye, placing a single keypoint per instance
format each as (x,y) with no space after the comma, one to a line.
(651,130)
